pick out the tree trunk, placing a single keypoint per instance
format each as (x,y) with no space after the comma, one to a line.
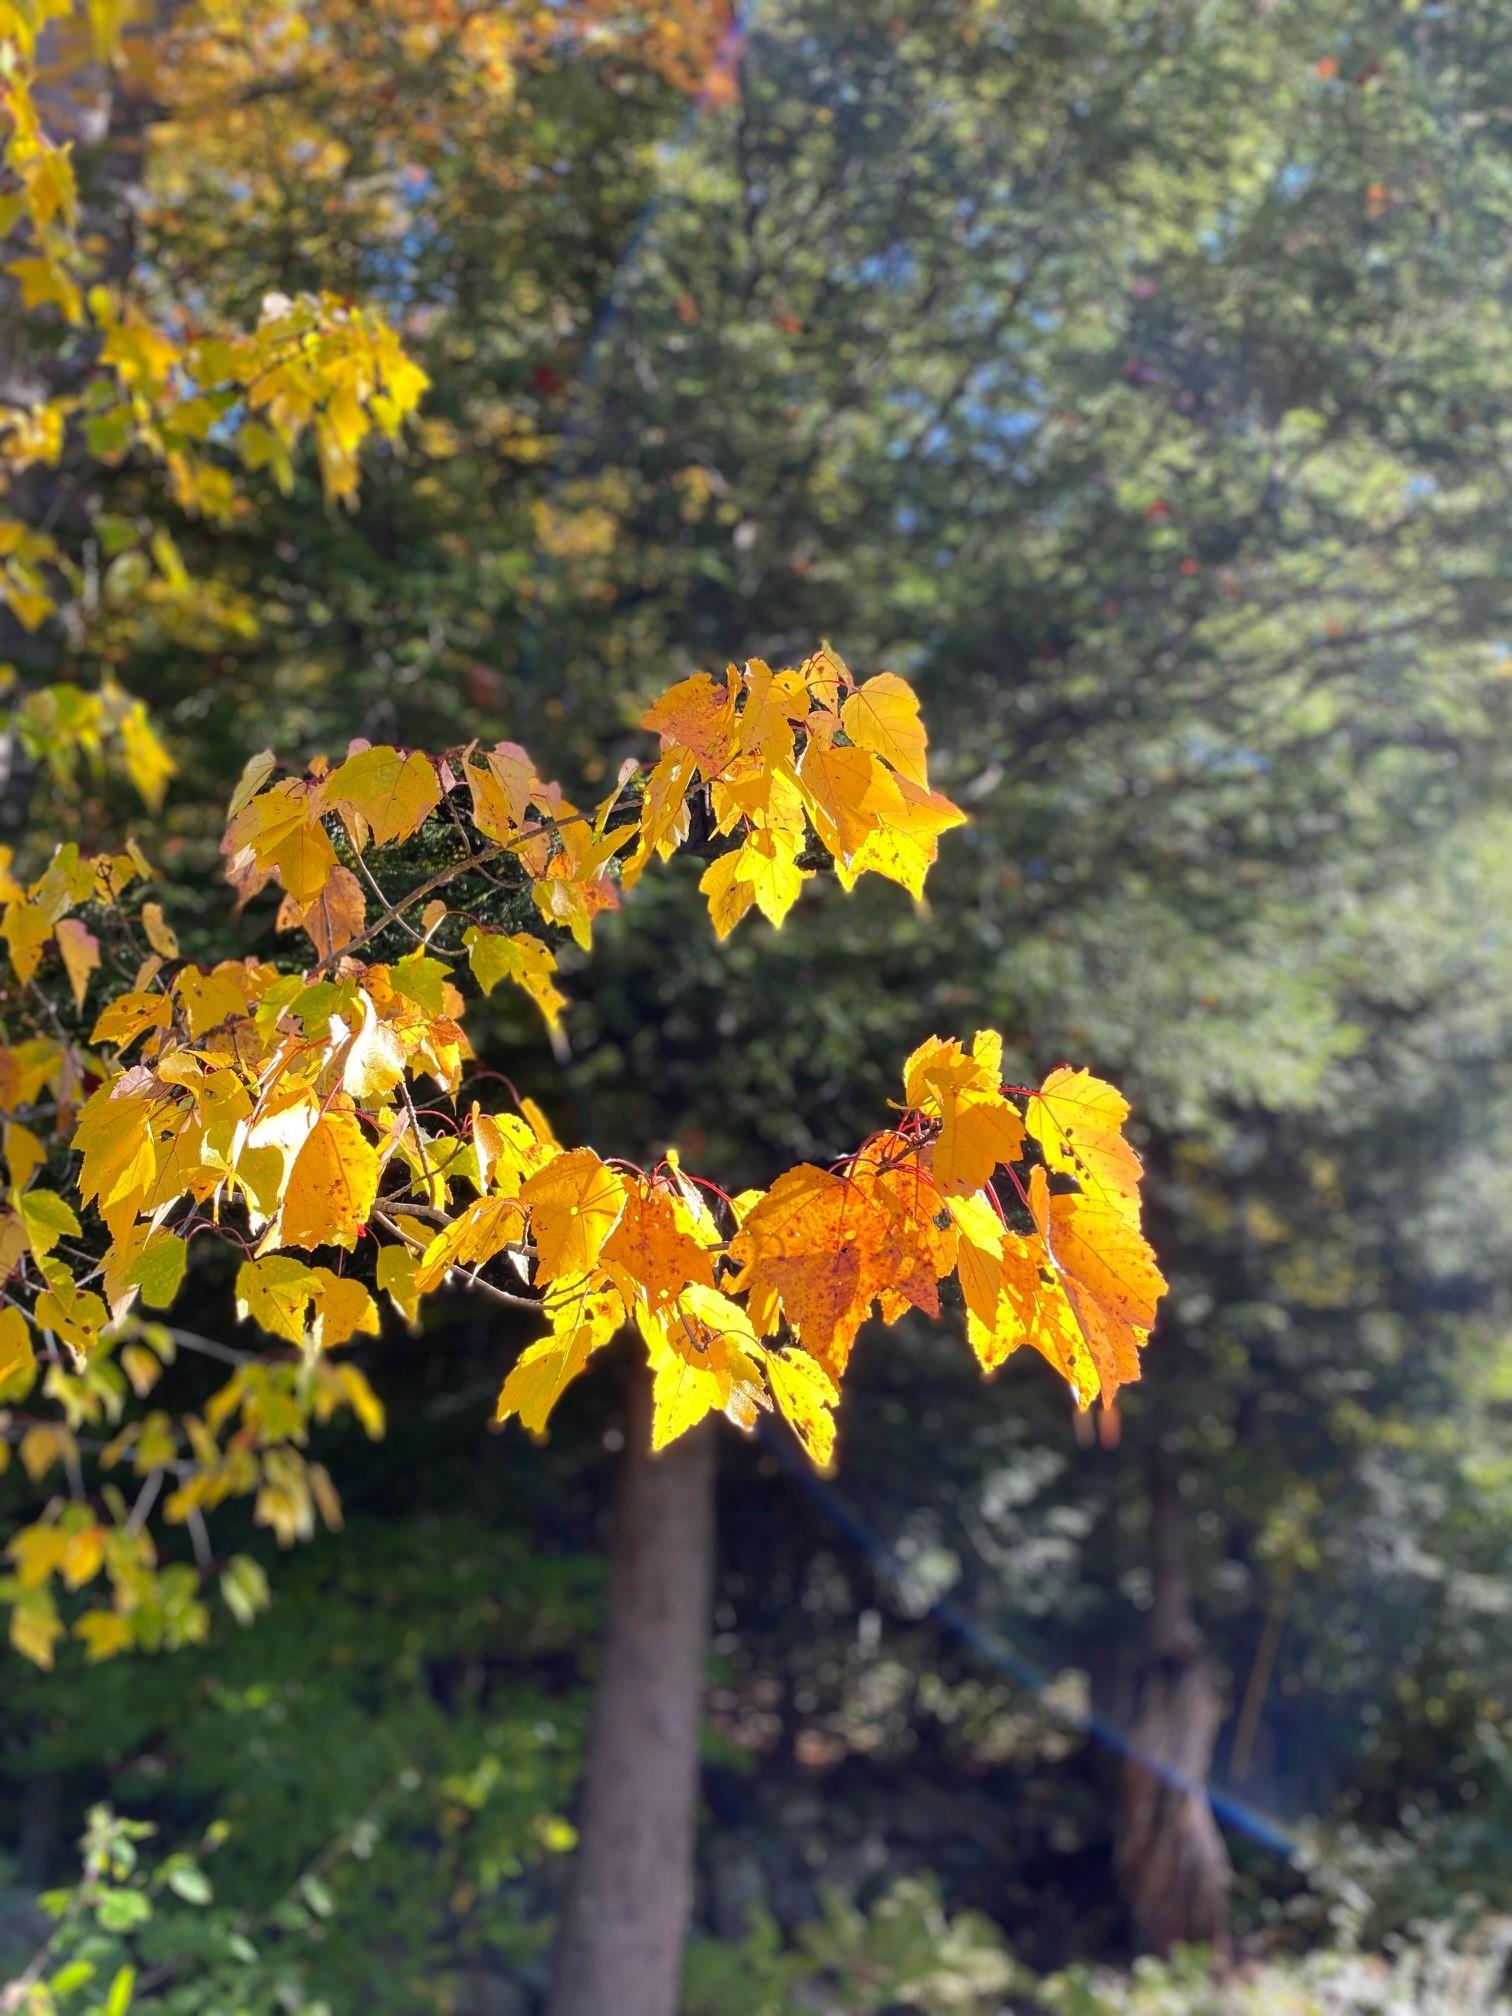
(620,1946)
(1170,1858)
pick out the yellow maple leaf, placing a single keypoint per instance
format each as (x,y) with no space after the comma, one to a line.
(371,1059)
(1108,1274)
(24,1152)
(664,812)
(255,773)
(805,1394)
(332,1185)
(382,795)
(209,998)
(275,1293)
(705,1358)
(278,831)
(340,1309)
(920,1245)
(839,784)
(698,714)
(16,1353)
(148,764)
(397,1267)
(334,919)
(80,952)
(121,1021)
(304,861)
(883,715)
(979,1131)
(817,1249)
(116,1138)
(71,1312)
(575,1203)
(1016,1298)
(484,1228)
(503,785)
(763,871)
(581,1325)
(774,702)
(652,1252)
(26,928)
(904,844)
(517,956)
(160,935)
(1078,1121)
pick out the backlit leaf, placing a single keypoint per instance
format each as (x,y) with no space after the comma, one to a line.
(332,1185)
(575,1203)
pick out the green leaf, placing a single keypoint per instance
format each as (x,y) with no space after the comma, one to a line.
(317,1896)
(47,1220)
(122,1910)
(159,1270)
(192,1884)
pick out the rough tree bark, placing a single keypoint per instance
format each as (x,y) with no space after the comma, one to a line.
(1170,1858)
(620,1945)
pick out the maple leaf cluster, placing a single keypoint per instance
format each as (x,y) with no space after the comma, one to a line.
(778,760)
(322,1121)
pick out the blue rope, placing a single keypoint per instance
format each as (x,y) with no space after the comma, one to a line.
(996,1652)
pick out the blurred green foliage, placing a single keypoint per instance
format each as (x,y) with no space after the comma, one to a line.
(389,1751)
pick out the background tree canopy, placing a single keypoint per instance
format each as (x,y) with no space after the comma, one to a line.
(1132,379)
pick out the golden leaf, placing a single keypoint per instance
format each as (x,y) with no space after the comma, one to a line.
(26,928)
(575,1203)
(883,715)
(1078,1121)
(382,795)
(159,933)
(805,1393)
(1108,1273)
(763,871)
(664,812)
(16,1352)
(903,846)
(334,919)
(340,1309)
(652,1252)
(485,1228)
(332,1185)
(121,1021)
(580,1326)
(502,787)
(80,952)
(371,1058)
(697,714)
(24,1156)
(838,783)
(978,1133)
(816,1250)
(704,1359)
(73,1313)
